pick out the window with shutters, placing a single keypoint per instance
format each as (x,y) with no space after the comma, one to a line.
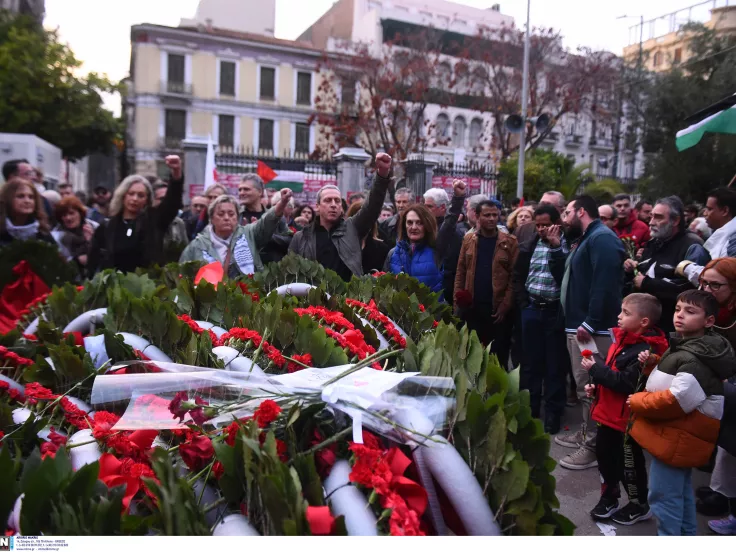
(227,78)
(304,88)
(175,74)
(347,94)
(226,130)
(175,127)
(301,142)
(265,134)
(268,83)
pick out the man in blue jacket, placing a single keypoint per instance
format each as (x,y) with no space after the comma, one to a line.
(591,295)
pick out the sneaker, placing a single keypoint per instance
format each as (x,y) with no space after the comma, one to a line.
(605,508)
(725,526)
(570,440)
(632,513)
(581,459)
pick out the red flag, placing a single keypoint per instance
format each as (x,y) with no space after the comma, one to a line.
(266,172)
(212,273)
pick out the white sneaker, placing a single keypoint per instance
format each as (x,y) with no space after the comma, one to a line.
(581,459)
(570,440)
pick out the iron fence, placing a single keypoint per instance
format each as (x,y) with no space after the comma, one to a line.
(421,175)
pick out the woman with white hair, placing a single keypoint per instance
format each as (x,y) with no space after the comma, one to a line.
(234,246)
(133,236)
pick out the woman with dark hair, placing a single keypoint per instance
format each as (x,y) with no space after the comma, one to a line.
(416,251)
(303,216)
(375,249)
(719,279)
(133,236)
(22,213)
(74,231)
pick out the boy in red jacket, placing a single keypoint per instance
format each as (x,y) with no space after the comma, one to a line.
(620,458)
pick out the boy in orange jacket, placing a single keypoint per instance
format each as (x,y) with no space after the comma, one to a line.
(620,458)
(678,416)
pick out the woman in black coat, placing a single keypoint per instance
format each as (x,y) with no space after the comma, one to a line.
(133,236)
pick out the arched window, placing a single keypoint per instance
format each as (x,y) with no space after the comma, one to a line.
(442,129)
(476,130)
(658,59)
(478,80)
(458,132)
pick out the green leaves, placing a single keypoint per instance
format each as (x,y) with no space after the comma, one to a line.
(176,512)
(494,431)
(59,501)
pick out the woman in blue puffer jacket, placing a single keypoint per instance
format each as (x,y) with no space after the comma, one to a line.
(416,251)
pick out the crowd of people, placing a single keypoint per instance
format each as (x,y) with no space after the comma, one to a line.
(629,310)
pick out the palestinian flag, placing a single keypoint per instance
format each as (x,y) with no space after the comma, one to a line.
(719,118)
(294,180)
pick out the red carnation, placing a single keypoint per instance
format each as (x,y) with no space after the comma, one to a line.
(175,405)
(266,413)
(587,353)
(232,433)
(56,440)
(199,416)
(37,391)
(218,470)
(463,298)
(197,453)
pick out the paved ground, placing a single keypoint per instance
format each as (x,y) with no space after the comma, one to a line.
(579,491)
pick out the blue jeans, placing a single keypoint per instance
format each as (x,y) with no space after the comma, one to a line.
(672,499)
(543,359)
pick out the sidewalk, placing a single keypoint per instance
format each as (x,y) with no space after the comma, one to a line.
(579,491)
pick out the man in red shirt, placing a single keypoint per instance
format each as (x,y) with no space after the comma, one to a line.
(628,224)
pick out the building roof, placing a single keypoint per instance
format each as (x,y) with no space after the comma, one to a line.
(214,33)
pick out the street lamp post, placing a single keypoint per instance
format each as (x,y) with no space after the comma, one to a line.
(524,102)
(619,114)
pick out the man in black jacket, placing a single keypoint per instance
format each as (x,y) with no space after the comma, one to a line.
(655,271)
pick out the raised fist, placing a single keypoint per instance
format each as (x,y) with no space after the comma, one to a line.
(174,164)
(286,195)
(459,187)
(383,164)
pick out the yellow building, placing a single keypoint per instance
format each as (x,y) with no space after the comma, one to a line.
(244,90)
(663,50)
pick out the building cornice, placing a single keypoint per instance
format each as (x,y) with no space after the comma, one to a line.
(192,38)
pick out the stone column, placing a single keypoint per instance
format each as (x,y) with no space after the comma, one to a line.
(351,170)
(195,158)
(418,172)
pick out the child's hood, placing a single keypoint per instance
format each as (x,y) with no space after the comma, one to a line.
(714,351)
(654,337)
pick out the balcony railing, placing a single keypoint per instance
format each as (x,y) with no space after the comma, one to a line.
(170,143)
(573,139)
(601,143)
(176,88)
